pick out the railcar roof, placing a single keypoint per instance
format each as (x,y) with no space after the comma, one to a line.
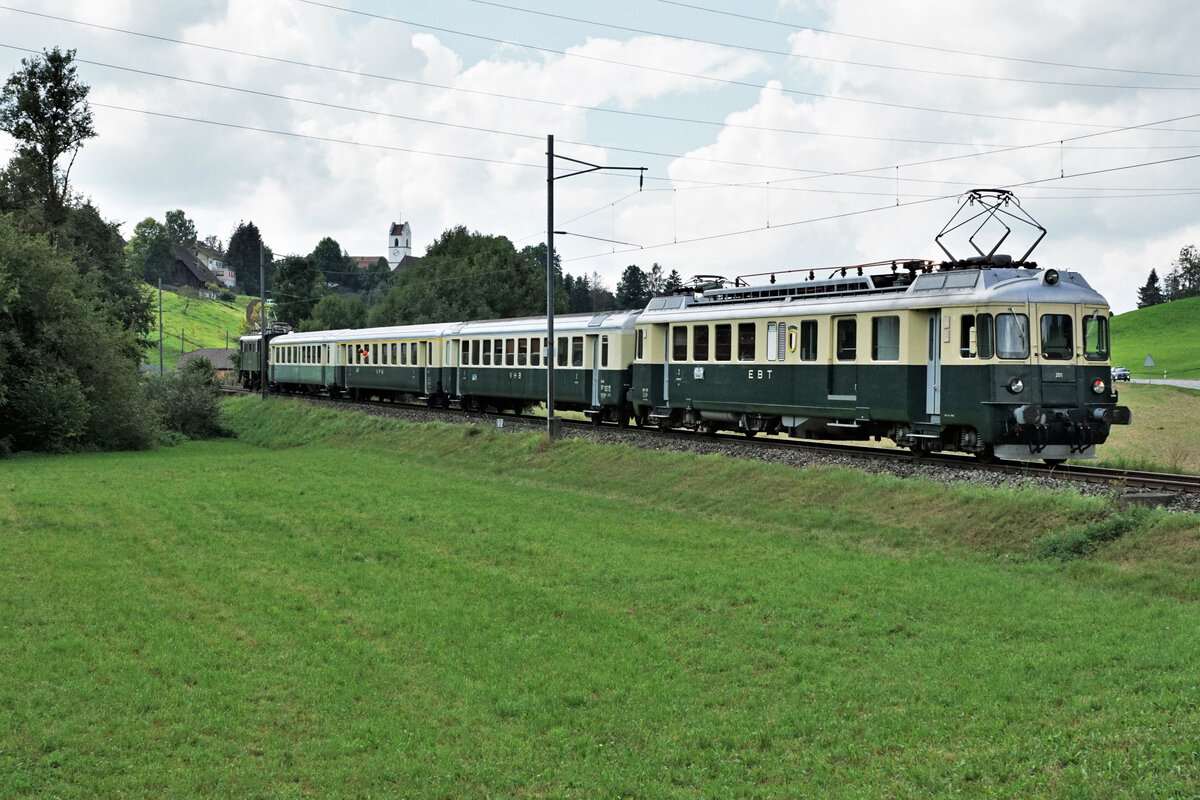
(606,321)
(933,290)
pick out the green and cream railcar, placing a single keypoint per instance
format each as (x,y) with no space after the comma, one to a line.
(1006,361)
(502,363)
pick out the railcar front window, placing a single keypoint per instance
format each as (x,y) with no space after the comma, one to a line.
(724,343)
(1012,336)
(746,341)
(1095,337)
(1056,336)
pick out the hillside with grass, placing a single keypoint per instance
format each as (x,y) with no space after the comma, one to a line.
(190,323)
(1170,332)
(337,605)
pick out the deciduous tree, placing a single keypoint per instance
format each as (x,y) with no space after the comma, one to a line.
(43,106)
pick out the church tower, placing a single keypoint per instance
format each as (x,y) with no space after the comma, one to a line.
(399,243)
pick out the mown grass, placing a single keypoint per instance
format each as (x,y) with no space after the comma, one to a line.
(337,605)
(190,324)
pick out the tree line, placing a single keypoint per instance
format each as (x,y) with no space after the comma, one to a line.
(1182,281)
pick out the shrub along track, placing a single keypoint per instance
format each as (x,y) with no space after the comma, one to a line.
(1173,492)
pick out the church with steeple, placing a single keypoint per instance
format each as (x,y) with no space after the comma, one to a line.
(399,246)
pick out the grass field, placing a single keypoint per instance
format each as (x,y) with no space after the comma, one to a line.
(201,323)
(367,608)
(1164,434)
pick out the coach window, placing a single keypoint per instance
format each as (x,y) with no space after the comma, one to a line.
(604,351)
(1012,335)
(847,339)
(487,352)
(522,351)
(576,351)
(562,351)
(465,360)
(374,354)
(359,350)
(885,339)
(724,345)
(641,344)
(510,353)
(808,340)
(1095,337)
(535,351)
(1056,336)
(679,337)
(700,343)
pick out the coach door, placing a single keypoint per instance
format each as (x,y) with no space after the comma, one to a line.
(595,348)
(933,367)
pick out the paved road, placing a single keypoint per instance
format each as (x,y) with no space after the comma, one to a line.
(1161,382)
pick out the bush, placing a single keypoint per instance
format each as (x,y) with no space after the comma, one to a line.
(227,296)
(48,411)
(187,403)
(1086,539)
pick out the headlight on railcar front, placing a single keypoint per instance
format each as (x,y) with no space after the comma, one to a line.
(1016,385)
(1098,386)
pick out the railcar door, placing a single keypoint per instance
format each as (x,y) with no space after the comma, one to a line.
(933,367)
(595,348)
(666,365)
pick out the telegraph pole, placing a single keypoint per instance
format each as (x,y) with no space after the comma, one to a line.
(553,423)
(160,342)
(262,325)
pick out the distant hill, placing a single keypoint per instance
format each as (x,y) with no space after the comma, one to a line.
(1170,332)
(190,323)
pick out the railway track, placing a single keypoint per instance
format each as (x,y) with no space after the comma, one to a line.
(1118,479)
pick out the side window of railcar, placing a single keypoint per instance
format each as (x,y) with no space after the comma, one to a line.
(1012,335)
(724,343)
(700,343)
(522,351)
(603,352)
(966,328)
(563,353)
(746,341)
(576,351)
(1056,336)
(885,339)
(535,351)
(641,343)
(808,340)
(510,353)
(847,339)
(487,352)
(679,337)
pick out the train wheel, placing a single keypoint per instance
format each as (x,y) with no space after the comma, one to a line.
(986,456)
(749,433)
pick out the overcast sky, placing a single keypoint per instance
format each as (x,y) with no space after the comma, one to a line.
(777,134)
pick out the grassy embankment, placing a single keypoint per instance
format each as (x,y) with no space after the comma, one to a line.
(1169,332)
(370,608)
(200,323)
